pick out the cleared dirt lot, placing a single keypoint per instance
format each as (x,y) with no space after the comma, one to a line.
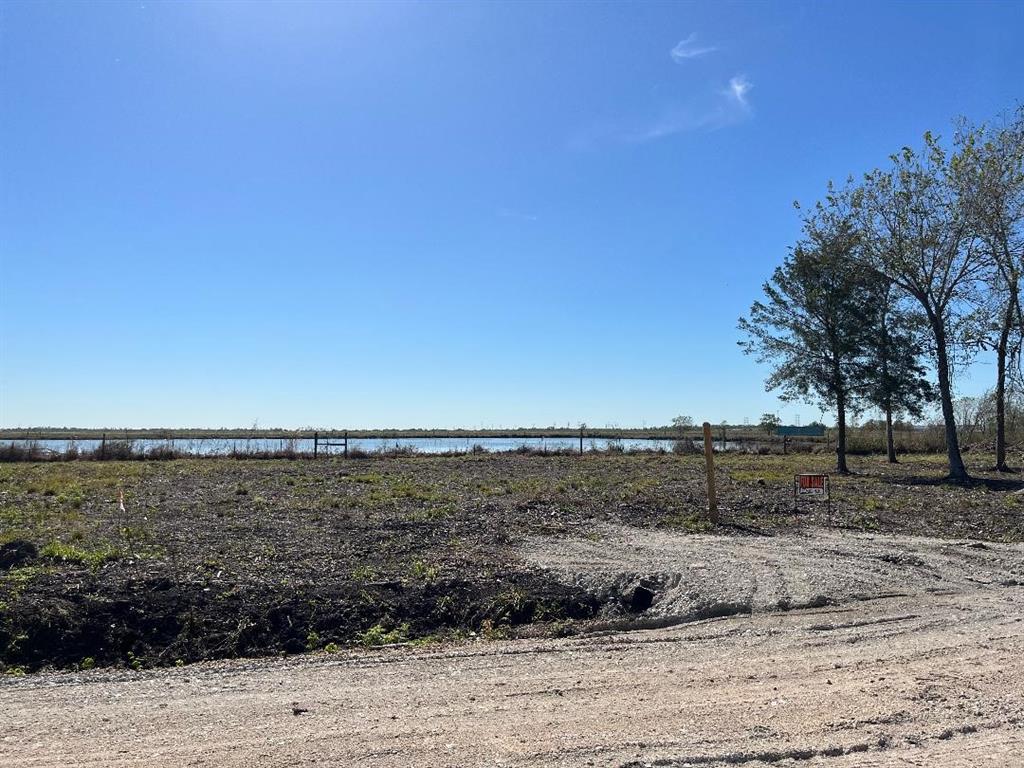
(222,558)
(916,658)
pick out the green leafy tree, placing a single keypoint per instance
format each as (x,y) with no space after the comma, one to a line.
(682,423)
(916,234)
(810,328)
(989,174)
(769,422)
(892,375)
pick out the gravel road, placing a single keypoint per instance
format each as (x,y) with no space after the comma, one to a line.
(913,655)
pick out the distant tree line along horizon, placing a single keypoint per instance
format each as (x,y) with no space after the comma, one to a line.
(899,279)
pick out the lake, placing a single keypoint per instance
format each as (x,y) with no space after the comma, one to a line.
(426,445)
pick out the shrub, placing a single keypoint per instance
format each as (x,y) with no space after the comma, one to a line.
(27,451)
(684,447)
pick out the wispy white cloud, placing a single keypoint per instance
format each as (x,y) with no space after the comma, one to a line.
(717,107)
(509,213)
(689,49)
(739,87)
(728,107)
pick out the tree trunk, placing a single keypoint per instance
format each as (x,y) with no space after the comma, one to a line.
(957,470)
(841,467)
(890,445)
(1001,353)
(890,449)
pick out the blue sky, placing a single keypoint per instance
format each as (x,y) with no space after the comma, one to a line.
(436,214)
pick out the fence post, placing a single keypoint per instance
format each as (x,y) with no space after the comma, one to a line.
(103,447)
(709,450)
(581,440)
(785,444)
(346,444)
(316,443)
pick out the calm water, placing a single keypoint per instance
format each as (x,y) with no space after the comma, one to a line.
(431,445)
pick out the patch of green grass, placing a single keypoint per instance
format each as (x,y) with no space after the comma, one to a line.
(370,478)
(511,602)
(69,553)
(11,534)
(364,573)
(379,635)
(491,631)
(16,579)
(72,497)
(691,522)
(423,571)
(773,476)
(405,489)
(865,521)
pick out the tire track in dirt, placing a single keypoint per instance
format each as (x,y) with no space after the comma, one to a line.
(696,576)
(933,678)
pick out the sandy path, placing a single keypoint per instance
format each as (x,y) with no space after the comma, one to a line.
(933,678)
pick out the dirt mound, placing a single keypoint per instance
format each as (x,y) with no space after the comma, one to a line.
(156,621)
(16,553)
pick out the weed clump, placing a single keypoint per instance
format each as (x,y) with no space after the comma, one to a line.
(377,635)
(69,553)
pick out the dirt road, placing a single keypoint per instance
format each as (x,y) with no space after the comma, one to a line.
(932,676)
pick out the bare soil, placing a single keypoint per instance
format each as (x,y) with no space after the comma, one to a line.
(216,558)
(502,585)
(932,678)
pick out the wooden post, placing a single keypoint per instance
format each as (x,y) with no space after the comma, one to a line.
(316,443)
(103,447)
(785,444)
(709,450)
(581,439)
(345,447)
